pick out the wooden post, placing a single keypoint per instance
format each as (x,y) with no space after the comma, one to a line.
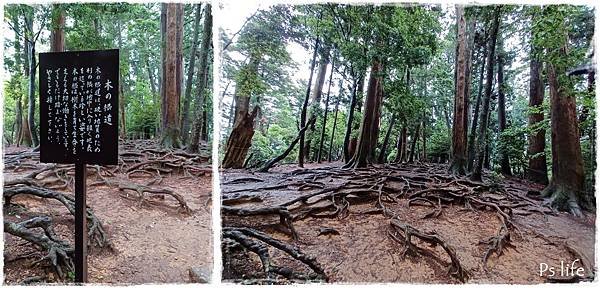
(80,223)
(103,66)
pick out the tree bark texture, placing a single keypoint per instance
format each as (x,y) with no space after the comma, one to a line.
(484,116)
(364,151)
(172,76)
(187,98)
(203,70)
(459,124)
(57,34)
(301,149)
(504,160)
(240,139)
(537,169)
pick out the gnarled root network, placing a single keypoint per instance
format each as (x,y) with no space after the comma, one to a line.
(259,243)
(403,233)
(59,252)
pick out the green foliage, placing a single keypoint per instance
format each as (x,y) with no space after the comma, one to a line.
(15,90)
(439,140)
(420,39)
(512,141)
(133,28)
(142,111)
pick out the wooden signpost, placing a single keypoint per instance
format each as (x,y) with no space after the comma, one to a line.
(79,94)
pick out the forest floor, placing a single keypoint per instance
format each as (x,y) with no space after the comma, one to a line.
(324,223)
(154,240)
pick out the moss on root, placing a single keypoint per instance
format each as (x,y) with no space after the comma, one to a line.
(563,198)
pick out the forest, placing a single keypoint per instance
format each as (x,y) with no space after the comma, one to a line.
(160,188)
(408,143)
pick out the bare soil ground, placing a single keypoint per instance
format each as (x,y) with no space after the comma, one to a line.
(153,241)
(353,239)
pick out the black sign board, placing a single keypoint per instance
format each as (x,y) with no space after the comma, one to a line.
(79,94)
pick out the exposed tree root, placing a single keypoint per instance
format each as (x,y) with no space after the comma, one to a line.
(243,180)
(285,218)
(258,243)
(584,261)
(33,279)
(562,198)
(96,234)
(143,189)
(330,191)
(137,159)
(239,199)
(402,233)
(59,252)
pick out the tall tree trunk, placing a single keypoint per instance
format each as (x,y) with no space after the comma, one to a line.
(28,22)
(566,187)
(337,105)
(315,98)
(504,161)
(172,76)
(424,148)
(317,89)
(204,134)
(468,79)
(150,72)
(350,119)
(57,34)
(401,145)
(472,136)
(163,62)
(31,111)
(187,98)
(359,106)
(364,150)
(386,140)
(122,120)
(459,124)
(537,170)
(413,145)
(482,140)
(25,132)
(447,117)
(26,136)
(203,69)
(486,156)
(18,124)
(322,139)
(377,118)
(304,111)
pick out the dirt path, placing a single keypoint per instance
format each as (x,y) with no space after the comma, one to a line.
(152,243)
(360,250)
